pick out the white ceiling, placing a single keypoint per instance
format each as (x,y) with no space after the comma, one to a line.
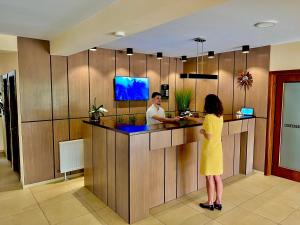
(226,27)
(45,19)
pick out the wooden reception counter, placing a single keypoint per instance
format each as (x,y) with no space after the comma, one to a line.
(134,168)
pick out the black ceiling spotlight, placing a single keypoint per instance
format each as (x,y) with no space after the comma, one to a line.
(159,55)
(129,51)
(245,49)
(211,54)
(93,49)
(183,58)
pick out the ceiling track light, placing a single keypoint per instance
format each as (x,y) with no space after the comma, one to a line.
(93,49)
(183,58)
(129,51)
(211,54)
(245,49)
(159,55)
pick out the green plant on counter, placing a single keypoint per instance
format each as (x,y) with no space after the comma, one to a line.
(96,111)
(132,119)
(120,119)
(183,99)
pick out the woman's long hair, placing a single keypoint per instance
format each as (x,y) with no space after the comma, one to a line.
(213,105)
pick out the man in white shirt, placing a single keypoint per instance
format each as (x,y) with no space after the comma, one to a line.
(156,114)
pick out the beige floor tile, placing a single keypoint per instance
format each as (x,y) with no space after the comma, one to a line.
(92,201)
(255,203)
(88,219)
(177,215)
(52,193)
(197,219)
(236,196)
(292,219)
(112,218)
(49,186)
(149,221)
(213,222)
(274,211)
(61,211)
(163,207)
(29,217)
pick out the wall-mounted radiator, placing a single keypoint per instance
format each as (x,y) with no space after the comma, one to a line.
(71,156)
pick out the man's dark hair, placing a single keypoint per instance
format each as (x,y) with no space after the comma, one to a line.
(154,94)
(213,105)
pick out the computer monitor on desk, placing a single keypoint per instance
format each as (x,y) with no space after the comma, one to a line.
(247,111)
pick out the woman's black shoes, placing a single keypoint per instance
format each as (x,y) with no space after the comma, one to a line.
(218,206)
(206,206)
(211,207)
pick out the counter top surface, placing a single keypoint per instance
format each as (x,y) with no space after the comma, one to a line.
(139,129)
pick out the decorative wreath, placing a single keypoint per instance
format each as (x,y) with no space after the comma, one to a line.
(245,80)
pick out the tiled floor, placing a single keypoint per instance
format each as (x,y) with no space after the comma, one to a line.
(253,200)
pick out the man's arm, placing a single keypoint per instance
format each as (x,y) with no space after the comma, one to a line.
(165,120)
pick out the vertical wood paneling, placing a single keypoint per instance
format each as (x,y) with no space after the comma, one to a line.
(122,69)
(164,79)
(60,133)
(239,93)
(201,178)
(111,168)
(190,67)
(156,177)
(102,73)
(228,153)
(35,79)
(237,154)
(260,143)
(250,146)
(172,84)
(138,69)
(88,156)
(139,174)
(122,175)
(59,70)
(205,86)
(226,66)
(78,84)
(75,128)
(37,140)
(170,173)
(258,66)
(100,163)
(187,168)
(153,72)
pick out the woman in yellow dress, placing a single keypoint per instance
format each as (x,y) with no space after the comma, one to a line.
(211,163)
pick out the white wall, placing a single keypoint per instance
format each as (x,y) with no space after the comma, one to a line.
(8,43)
(285,56)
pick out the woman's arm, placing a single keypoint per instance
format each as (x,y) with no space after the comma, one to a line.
(206,135)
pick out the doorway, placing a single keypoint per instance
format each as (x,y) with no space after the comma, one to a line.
(284,109)
(10,160)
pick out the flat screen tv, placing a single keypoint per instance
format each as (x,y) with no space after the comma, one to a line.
(131,88)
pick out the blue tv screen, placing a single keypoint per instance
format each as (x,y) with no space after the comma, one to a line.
(131,88)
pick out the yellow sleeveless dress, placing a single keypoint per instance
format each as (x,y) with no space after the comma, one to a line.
(211,162)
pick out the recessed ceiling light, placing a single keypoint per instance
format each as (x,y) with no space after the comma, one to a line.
(119,33)
(265,24)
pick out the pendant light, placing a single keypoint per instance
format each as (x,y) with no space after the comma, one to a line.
(159,55)
(129,51)
(245,49)
(183,58)
(93,49)
(211,55)
(198,75)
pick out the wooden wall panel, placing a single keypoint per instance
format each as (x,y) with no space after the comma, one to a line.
(258,66)
(179,70)
(78,76)
(226,67)
(201,178)
(102,73)
(237,154)
(187,164)
(122,69)
(111,168)
(156,177)
(260,143)
(37,141)
(35,79)
(138,65)
(250,146)
(88,156)
(172,84)
(60,133)
(205,87)
(228,155)
(190,67)
(122,175)
(164,79)
(100,163)
(75,128)
(160,139)
(170,173)
(59,69)
(139,173)
(153,72)
(239,93)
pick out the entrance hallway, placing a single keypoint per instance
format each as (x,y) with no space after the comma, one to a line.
(9,179)
(254,200)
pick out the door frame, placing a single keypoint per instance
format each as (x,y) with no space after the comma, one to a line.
(273,77)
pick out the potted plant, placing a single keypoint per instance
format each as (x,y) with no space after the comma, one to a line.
(132,119)
(183,99)
(96,111)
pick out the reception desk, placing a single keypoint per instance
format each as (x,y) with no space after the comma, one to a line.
(134,168)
